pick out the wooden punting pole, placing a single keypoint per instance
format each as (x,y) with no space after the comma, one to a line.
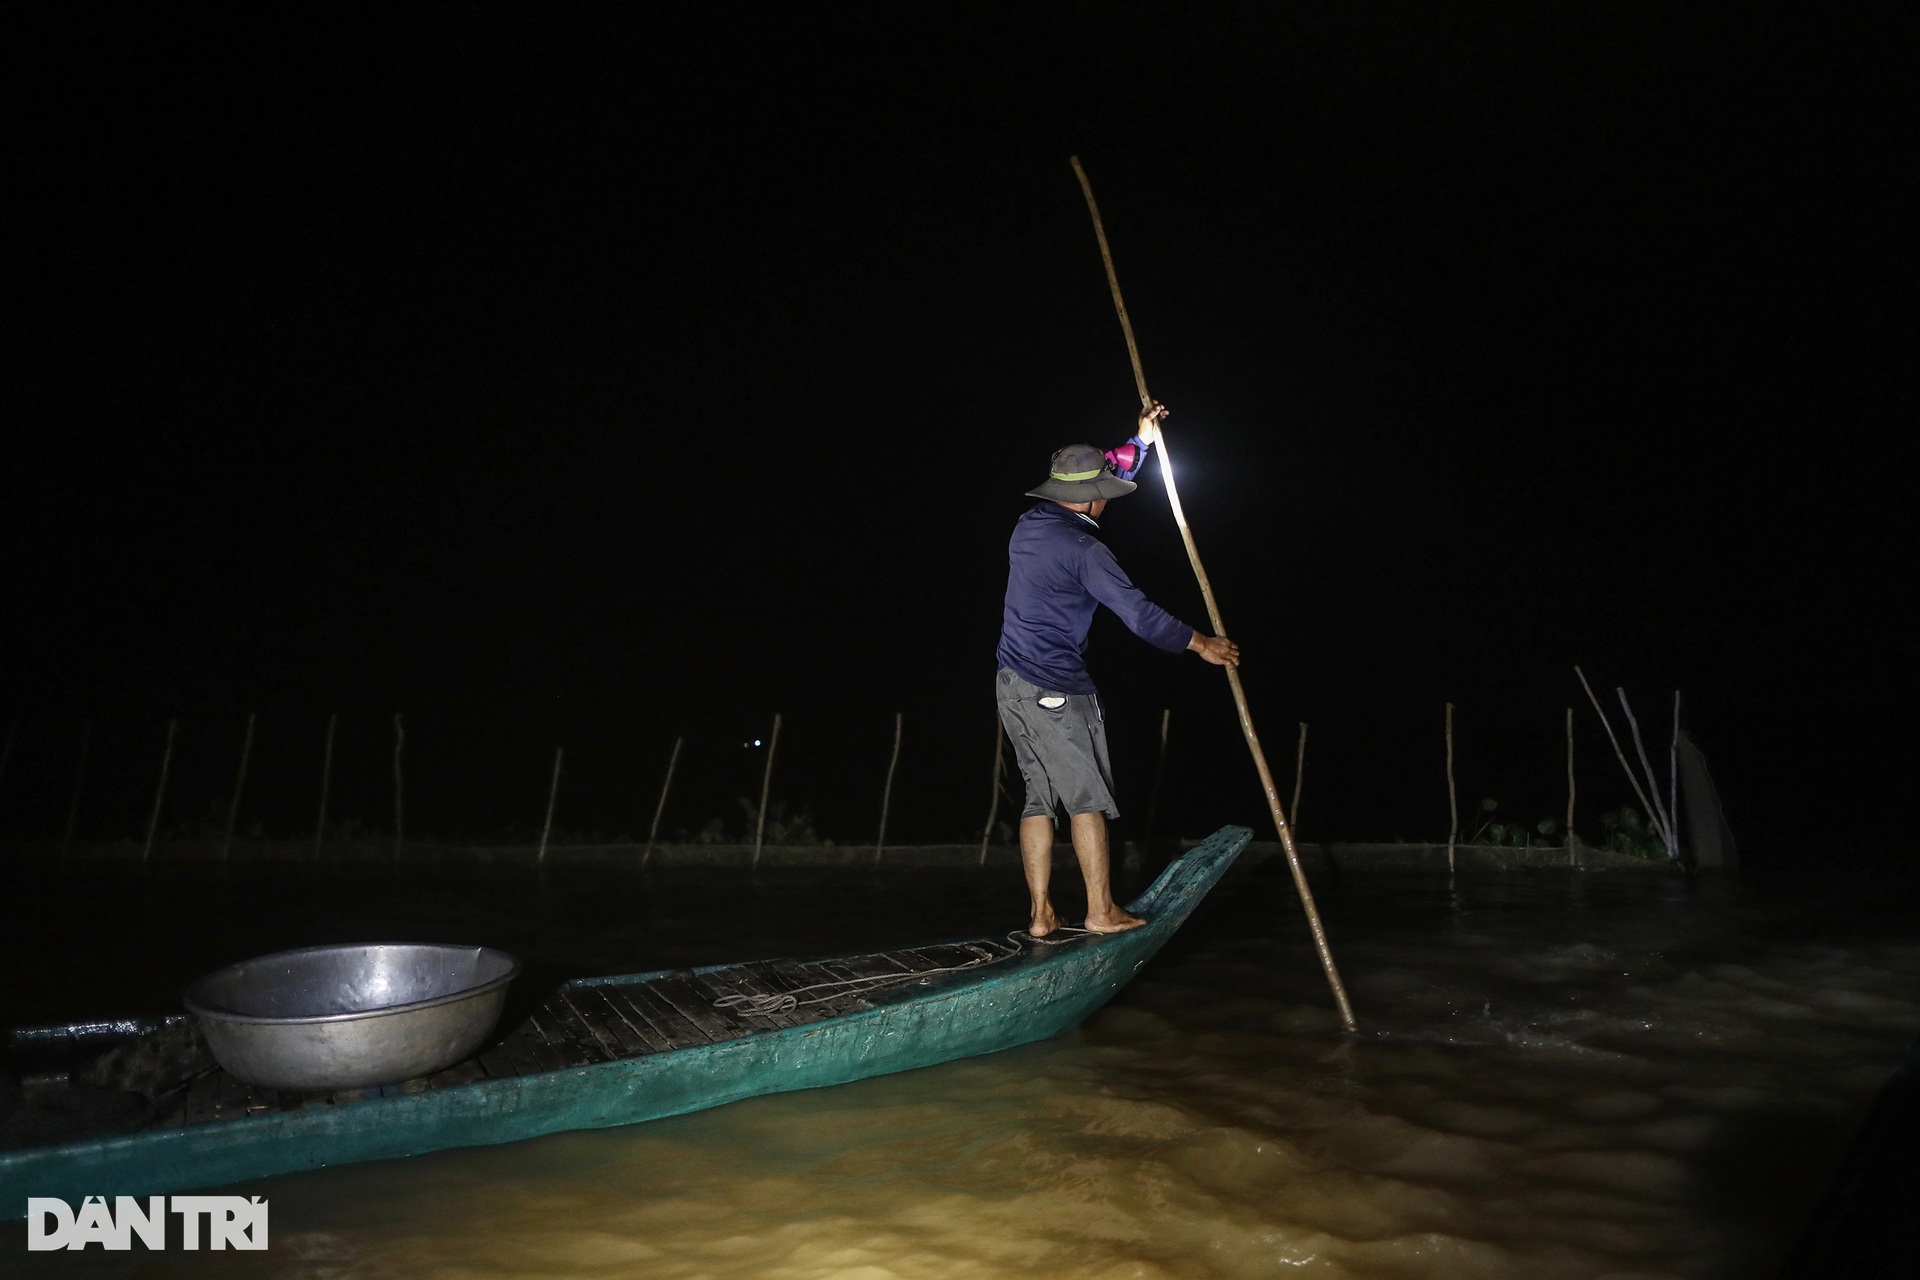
(766,786)
(993,809)
(553,796)
(160,790)
(886,796)
(653,832)
(1219,628)
(239,786)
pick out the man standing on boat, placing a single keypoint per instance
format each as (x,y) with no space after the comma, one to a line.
(1059,572)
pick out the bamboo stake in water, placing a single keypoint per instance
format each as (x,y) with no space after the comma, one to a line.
(993,808)
(1159,771)
(1660,820)
(1618,754)
(160,790)
(1299,775)
(239,786)
(1569,777)
(1673,774)
(6,752)
(1453,804)
(326,783)
(653,832)
(766,783)
(79,776)
(886,796)
(1219,629)
(399,785)
(553,794)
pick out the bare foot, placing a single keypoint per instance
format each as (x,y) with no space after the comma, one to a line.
(1117,921)
(1044,921)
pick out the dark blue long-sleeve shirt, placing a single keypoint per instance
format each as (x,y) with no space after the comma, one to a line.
(1058,574)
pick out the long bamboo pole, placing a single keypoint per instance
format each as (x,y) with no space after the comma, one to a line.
(1673,775)
(886,796)
(79,777)
(553,796)
(1219,628)
(1661,823)
(6,752)
(653,832)
(1299,775)
(160,790)
(1618,754)
(1569,777)
(766,785)
(1453,803)
(993,809)
(239,786)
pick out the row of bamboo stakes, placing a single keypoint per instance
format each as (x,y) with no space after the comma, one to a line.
(327,756)
(1659,807)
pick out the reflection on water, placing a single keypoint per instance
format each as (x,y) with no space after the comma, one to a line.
(1558,1075)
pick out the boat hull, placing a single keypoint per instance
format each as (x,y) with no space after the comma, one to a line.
(1033,996)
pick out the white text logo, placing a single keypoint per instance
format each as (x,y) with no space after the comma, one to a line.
(233,1222)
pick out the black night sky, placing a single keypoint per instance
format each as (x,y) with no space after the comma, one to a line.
(562,379)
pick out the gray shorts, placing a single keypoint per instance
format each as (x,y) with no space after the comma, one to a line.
(1060,742)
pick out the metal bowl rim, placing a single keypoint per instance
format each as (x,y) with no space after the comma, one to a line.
(355,1015)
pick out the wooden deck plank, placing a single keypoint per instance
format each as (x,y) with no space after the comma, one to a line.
(589,1044)
(835,971)
(625,1016)
(499,1063)
(632,1001)
(961,956)
(679,992)
(516,1051)
(796,976)
(778,977)
(683,1032)
(792,977)
(874,964)
(555,1036)
(614,1033)
(847,969)
(743,980)
(545,1044)
(923,959)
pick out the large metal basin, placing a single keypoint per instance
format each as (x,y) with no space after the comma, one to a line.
(347,1017)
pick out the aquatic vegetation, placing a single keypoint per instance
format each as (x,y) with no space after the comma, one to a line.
(1626,832)
(1515,834)
(1629,833)
(782,827)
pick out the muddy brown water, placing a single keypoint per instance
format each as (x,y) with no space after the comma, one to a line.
(1558,1074)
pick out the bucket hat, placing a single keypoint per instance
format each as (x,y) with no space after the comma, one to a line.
(1081,473)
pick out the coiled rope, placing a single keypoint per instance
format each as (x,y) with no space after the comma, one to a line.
(762,1006)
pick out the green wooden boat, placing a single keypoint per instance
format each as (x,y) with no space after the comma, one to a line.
(598,1052)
